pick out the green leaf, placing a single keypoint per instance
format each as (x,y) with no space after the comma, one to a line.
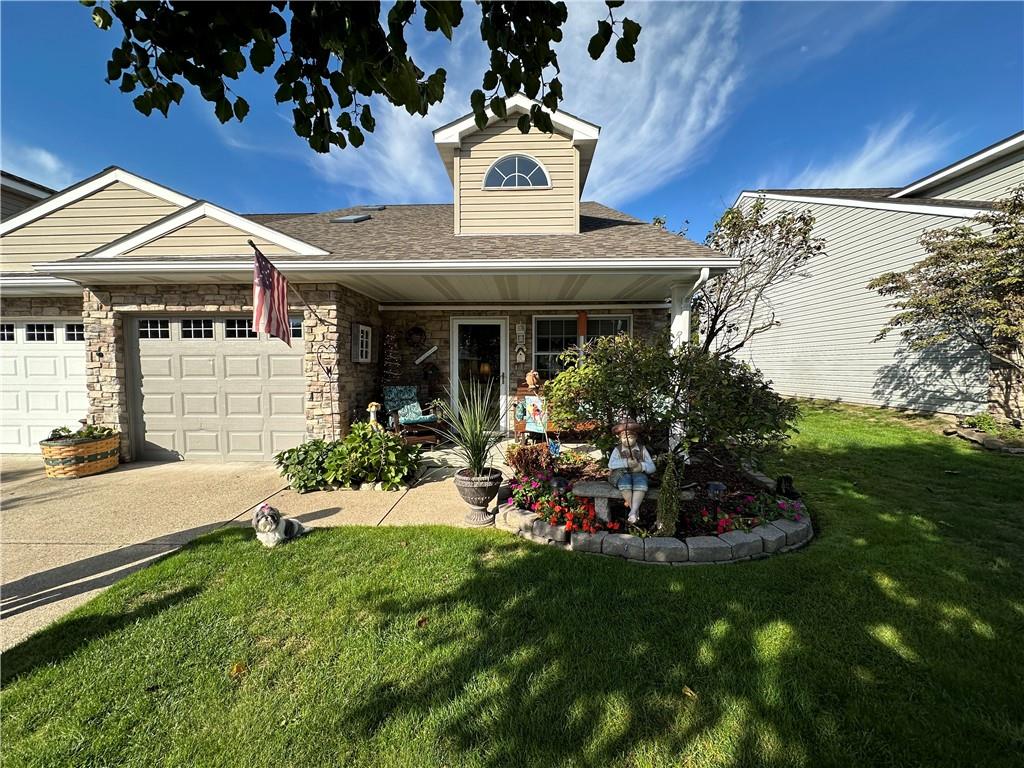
(498,107)
(490,80)
(600,40)
(233,62)
(630,30)
(366,119)
(175,91)
(223,110)
(283,94)
(624,50)
(241,108)
(355,136)
(101,18)
(262,55)
(144,103)
(523,123)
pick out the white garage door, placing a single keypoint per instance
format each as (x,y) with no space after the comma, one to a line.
(209,388)
(42,380)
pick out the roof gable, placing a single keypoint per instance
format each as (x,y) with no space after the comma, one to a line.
(204,230)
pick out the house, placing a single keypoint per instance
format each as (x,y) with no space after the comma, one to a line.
(17,194)
(825,345)
(129,303)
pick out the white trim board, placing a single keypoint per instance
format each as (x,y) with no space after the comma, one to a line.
(664,305)
(466,266)
(451,135)
(86,188)
(194,212)
(967,164)
(38,285)
(882,204)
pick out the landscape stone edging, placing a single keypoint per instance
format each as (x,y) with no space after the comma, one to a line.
(763,541)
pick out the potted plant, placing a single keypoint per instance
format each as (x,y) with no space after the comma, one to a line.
(474,429)
(89,451)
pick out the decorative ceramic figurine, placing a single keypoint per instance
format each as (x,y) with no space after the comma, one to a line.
(372,409)
(533,380)
(630,464)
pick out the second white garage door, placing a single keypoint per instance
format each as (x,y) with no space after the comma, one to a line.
(209,388)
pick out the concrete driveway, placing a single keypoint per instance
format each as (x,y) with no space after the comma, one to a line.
(61,541)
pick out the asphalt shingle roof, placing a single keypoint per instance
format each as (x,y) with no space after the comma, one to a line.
(426,232)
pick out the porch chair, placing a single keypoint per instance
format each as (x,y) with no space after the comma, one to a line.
(407,417)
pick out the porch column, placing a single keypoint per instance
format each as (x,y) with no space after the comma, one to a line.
(682,295)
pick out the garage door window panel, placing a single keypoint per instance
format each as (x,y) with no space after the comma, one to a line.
(154,329)
(239,328)
(74,332)
(6,331)
(197,329)
(39,332)
(295,323)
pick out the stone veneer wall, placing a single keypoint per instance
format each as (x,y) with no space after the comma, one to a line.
(437,325)
(41,306)
(327,320)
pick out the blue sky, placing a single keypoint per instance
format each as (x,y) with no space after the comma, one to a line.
(722,97)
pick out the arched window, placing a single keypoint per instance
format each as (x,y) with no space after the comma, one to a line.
(516,171)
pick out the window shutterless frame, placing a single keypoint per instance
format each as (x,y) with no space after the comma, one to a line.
(516,171)
(591,319)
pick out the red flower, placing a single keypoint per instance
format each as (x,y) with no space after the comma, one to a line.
(553,520)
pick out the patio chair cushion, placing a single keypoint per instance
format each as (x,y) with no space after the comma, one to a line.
(416,420)
(404,401)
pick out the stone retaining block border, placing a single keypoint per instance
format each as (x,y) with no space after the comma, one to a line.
(735,546)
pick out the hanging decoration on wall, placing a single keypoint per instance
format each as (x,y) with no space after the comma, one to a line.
(415,336)
(425,355)
(391,358)
(520,354)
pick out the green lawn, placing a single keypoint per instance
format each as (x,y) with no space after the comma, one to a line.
(893,639)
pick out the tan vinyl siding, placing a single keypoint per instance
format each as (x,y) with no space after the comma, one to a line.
(82,226)
(13,201)
(521,211)
(205,237)
(991,181)
(825,346)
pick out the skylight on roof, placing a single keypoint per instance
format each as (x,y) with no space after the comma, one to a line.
(352,218)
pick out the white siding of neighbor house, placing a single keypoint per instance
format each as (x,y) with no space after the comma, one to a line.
(991,181)
(82,226)
(206,237)
(825,346)
(517,211)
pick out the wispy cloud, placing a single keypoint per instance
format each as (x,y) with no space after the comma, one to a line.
(36,164)
(657,113)
(890,156)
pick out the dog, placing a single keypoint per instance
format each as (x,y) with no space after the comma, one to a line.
(272,529)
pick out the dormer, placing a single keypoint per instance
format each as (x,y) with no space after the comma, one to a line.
(510,183)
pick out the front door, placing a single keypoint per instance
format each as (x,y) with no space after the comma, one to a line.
(479,353)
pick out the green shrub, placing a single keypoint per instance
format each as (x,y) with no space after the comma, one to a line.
(87,432)
(366,455)
(986,422)
(304,466)
(723,405)
(370,455)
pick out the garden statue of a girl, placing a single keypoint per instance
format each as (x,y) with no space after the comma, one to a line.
(630,464)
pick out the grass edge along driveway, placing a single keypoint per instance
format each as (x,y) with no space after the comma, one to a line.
(893,639)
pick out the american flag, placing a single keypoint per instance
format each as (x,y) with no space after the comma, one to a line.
(269,299)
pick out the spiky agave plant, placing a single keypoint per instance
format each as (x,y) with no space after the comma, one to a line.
(474,428)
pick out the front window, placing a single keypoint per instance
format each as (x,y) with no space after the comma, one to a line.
(554,335)
(516,171)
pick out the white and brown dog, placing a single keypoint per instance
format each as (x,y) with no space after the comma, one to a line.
(272,529)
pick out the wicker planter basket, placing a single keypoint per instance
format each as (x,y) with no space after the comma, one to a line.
(65,459)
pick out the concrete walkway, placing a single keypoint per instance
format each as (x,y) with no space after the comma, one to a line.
(62,541)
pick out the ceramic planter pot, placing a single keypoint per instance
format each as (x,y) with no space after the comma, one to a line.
(478,492)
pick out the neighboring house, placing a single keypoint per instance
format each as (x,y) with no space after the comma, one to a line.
(159,343)
(17,194)
(825,345)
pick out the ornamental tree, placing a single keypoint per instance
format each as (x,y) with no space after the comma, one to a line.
(969,288)
(734,307)
(329,58)
(722,404)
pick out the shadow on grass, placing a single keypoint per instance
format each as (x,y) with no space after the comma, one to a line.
(64,638)
(810,658)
